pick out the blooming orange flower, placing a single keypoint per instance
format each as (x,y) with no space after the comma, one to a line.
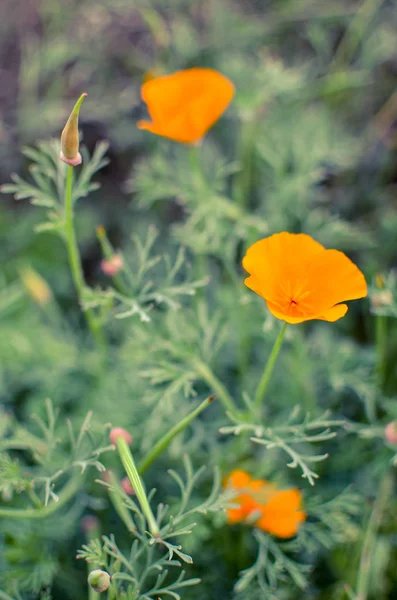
(184,106)
(275,511)
(300,279)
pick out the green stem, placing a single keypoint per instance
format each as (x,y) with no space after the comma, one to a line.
(65,495)
(381,502)
(74,256)
(381,337)
(355,32)
(34,498)
(169,436)
(245,153)
(264,382)
(201,260)
(92,535)
(108,252)
(217,386)
(119,505)
(136,482)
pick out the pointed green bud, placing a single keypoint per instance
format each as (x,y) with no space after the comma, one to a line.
(70,137)
(99,580)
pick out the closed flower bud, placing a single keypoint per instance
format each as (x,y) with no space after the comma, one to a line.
(127,487)
(117,432)
(111,266)
(99,580)
(391,432)
(70,137)
(89,524)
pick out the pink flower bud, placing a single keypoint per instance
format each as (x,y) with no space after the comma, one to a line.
(89,523)
(127,487)
(111,266)
(391,432)
(117,432)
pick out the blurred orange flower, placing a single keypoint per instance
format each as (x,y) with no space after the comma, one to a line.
(184,106)
(300,279)
(277,512)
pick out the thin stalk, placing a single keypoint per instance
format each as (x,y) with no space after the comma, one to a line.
(119,505)
(264,382)
(136,482)
(162,444)
(64,496)
(92,535)
(355,32)
(217,386)
(381,349)
(201,260)
(381,502)
(108,252)
(74,256)
(245,153)
(34,498)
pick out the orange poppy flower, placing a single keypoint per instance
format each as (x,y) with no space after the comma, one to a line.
(277,512)
(282,515)
(300,279)
(184,106)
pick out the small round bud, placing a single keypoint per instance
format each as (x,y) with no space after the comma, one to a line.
(117,432)
(391,432)
(127,487)
(111,266)
(99,580)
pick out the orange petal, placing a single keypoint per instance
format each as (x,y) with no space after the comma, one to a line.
(335,313)
(277,264)
(282,526)
(238,479)
(283,315)
(300,279)
(282,515)
(334,278)
(184,105)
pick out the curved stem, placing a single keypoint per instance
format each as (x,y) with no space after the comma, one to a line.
(245,153)
(65,495)
(119,506)
(264,382)
(381,355)
(74,256)
(169,436)
(364,573)
(136,482)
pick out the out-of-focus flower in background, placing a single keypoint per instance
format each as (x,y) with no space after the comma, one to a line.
(278,512)
(183,106)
